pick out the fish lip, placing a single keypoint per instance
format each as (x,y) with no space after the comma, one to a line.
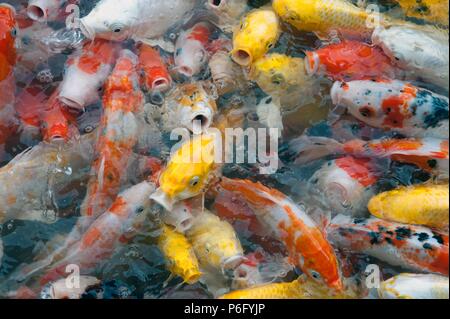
(241,56)
(160,84)
(312,58)
(205,118)
(36,13)
(376,35)
(334,93)
(10,7)
(232,263)
(72,102)
(160,197)
(86,30)
(185,70)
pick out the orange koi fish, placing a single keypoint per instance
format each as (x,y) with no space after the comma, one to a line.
(307,246)
(86,73)
(54,122)
(8,119)
(154,73)
(350,60)
(411,247)
(119,133)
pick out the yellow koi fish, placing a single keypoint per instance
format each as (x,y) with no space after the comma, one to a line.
(421,205)
(215,243)
(180,256)
(257,34)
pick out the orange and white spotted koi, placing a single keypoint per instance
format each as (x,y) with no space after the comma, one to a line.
(394,105)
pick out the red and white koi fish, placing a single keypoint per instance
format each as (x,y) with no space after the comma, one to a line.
(346,184)
(394,105)
(86,73)
(104,234)
(191,53)
(307,246)
(119,133)
(411,247)
(350,60)
(54,122)
(60,290)
(154,73)
(430,154)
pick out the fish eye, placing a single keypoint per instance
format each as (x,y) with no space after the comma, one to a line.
(140,209)
(117,28)
(315,275)
(88,129)
(194,181)
(366,112)
(14,32)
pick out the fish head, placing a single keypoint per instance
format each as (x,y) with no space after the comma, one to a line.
(8,34)
(362,99)
(247,44)
(154,74)
(345,184)
(197,108)
(190,58)
(43,10)
(110,20)
(137,197)
(188,172)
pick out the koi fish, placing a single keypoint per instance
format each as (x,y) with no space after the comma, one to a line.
(284,78)
(48,169)
(350,60)
(423,52)
(191,54)
(54,122)
(395,105)
(410,247)
(101,238)
(215,243)
(419,204)
(140,19)
(119,133)
(191,106)
(301,288)
(430,154)
(435,11)
(257,34)
(188,172)
(226,75)
(8,118)
(86,73)
(181,216)
(154,76)
(180,256)
(324,17)
(228,11)
(346,184)
(307,246)
(414,286)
